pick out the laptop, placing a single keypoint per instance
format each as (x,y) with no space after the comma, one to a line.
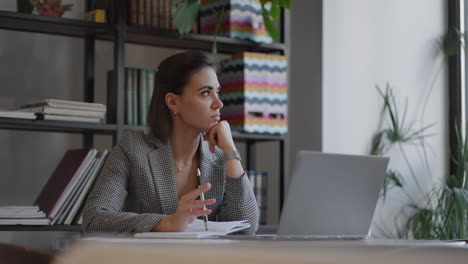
(331,196)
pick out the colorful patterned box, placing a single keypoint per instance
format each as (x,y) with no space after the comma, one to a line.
(242,19)
(254,93)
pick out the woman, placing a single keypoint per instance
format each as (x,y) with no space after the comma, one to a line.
(149,182)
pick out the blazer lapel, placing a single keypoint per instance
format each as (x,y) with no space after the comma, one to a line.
(162,168)
(205,162)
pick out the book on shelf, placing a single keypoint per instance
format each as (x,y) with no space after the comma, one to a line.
(78,218)
(62,110)
(45,109)
(17,114)
(133,12)
(66,175)
(42,116)
(79,198)
(26,221)
(148,13)
(141,12)
(21,212)
(155,14)
(143,97)
(72,190)
(22,215)
(197,230)
(258,181)
(68,104)
(139,86)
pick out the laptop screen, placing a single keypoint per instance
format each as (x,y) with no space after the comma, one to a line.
(332,194)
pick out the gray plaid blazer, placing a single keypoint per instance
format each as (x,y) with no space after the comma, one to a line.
(137,188)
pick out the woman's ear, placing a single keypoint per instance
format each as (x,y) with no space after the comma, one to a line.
(171,101)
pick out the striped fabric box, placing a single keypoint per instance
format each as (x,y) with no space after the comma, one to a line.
(254,93)
(242,19)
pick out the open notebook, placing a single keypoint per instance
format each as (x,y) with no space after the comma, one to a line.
(197,230)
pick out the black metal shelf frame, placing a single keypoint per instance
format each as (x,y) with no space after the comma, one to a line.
(170,39)
(68,228)
(56,126)
(136,35)
(54,25)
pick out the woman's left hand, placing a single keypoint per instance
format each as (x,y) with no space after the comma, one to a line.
(220,135)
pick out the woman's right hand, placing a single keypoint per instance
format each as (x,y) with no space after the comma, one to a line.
(189,208)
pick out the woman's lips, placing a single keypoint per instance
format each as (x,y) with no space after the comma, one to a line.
(217,117)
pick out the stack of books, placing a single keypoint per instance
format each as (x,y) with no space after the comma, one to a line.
(22,215)
(259,185)
(155,14)
(53,109)
(64,194)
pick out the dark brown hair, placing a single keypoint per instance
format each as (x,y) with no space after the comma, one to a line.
(172,76)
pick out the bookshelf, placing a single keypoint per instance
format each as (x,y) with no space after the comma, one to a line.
(120,34)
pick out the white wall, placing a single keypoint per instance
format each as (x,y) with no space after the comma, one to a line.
(374,42)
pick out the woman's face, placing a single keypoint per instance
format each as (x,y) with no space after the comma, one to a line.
(199,105)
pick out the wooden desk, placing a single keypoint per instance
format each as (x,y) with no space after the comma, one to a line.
(223,251)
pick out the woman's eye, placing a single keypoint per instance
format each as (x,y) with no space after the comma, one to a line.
(205,93)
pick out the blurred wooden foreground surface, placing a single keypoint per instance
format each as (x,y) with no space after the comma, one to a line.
(230,251)
(13,254)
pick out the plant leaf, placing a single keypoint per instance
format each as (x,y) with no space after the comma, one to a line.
(275,11)
(174,3)
(219,19)
(392,179)
(285,3)
(269,26)
(377,144)
(452,41)
(185,14)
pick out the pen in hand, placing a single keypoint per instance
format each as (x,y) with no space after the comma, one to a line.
(202,197)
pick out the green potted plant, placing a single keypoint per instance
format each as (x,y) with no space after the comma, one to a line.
(443,211)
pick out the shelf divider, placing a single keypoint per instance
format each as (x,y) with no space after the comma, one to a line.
(54,25)
(76,228)
(56,126)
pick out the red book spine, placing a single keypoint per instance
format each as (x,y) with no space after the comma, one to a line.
(154,14)
(147,12)
(59,180)
(141,13)
(133,12)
